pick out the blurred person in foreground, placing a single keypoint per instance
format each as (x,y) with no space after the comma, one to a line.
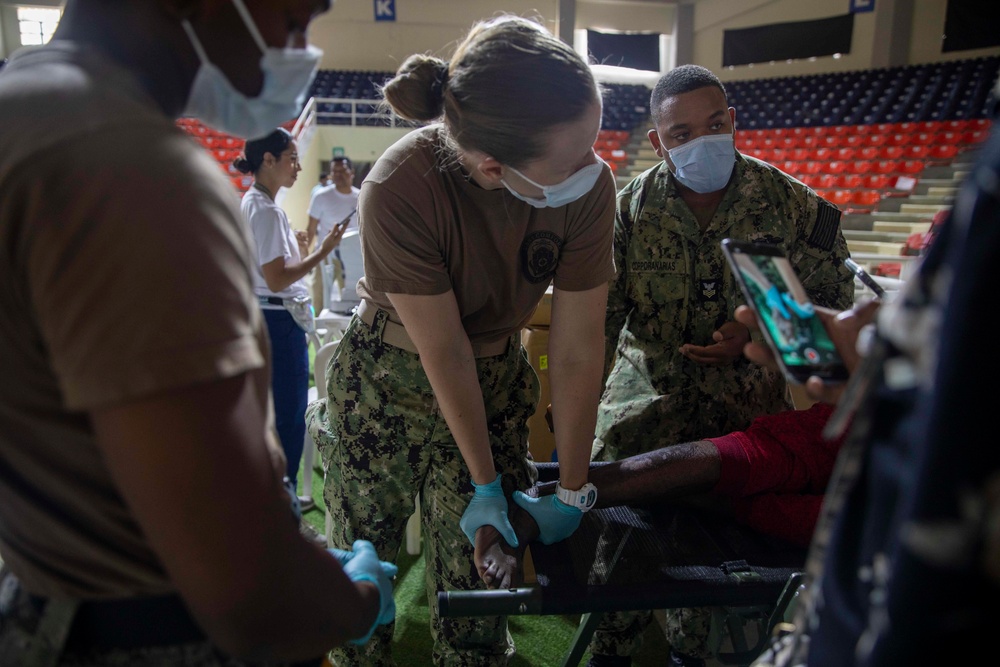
(904,567)
(143,515)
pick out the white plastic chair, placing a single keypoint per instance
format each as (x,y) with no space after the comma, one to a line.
(323,356)
(310,457)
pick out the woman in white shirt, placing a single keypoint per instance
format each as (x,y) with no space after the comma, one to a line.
(279,282)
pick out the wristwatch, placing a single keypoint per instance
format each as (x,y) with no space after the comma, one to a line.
(583,499)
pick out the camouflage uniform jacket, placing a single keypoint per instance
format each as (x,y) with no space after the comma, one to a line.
(673,286)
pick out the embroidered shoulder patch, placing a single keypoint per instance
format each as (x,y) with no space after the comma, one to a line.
(824,232)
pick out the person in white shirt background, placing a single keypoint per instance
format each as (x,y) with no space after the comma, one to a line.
(279,283)
(327,207)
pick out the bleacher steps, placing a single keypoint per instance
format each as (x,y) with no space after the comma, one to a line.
(922,208)
(901,227)
(874,247)
(868,235)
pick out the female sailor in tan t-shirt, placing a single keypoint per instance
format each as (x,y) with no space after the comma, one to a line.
(463,226)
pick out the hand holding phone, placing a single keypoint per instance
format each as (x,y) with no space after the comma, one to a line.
(801,345)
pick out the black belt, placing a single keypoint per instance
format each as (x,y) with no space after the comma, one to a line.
(132,623)
(273,300)
(136,623)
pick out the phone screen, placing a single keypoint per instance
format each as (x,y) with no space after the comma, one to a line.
(789,323)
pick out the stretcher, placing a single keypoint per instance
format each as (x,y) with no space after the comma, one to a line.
(658,557)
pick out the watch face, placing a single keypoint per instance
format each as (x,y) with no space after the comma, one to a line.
(583,499)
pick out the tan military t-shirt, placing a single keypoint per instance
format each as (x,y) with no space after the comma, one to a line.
(426,227)
(124,272)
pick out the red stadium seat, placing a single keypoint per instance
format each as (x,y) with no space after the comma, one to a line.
(836,167)
(844,153)
(853,140)
(866,198)
(890,152)
(799,154)
(868,153)
(813,167)
(897,139)
(923,138)
(948,137)
(910,167)
(822,154)
(789,167)
(943,153)
(828,181)
(916,152)
(812,180)
(859,166)
(876,139)
(849,181)
(876,181)
(885,166)
(828,141)
(974,136)
(839,197)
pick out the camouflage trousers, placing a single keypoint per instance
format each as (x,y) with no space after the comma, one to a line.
(383,441)
(34,633)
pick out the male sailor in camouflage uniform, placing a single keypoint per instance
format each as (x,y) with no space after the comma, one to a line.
(676,372)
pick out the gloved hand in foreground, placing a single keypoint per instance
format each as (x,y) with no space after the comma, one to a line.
(362,564)
(488,506)
(556,520)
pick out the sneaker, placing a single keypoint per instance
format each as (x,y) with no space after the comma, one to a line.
(312,534)
(610,661)
(306,503)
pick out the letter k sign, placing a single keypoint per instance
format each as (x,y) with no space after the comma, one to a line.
(385,10)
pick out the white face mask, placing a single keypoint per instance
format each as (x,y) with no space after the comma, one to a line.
(288,73)
(563,193)
(706,163)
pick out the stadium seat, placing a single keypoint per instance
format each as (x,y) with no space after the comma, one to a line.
(876,181)
(890,152)
(910,167)
(943,153)
(866,198)
(858,166)
(849,181)
(916,152)
(885,166)
(839,197)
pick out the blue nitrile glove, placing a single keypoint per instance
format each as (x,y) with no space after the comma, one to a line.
(341,555)
(488,506)
(362,564)
(556,520)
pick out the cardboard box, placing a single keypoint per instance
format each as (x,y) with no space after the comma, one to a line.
(542,316)
(541,442)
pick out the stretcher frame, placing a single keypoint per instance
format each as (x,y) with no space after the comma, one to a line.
(646,558)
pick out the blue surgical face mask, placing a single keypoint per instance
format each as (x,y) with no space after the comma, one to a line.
(706,163)
(563,193)
(288,73)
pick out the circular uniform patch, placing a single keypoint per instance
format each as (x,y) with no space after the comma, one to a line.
(540,256)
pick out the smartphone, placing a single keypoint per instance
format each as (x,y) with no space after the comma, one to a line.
(788,319)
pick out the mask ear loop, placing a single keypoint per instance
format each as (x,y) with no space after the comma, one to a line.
(250,25)
(195,42)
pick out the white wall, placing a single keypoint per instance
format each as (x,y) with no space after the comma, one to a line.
(351,39)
